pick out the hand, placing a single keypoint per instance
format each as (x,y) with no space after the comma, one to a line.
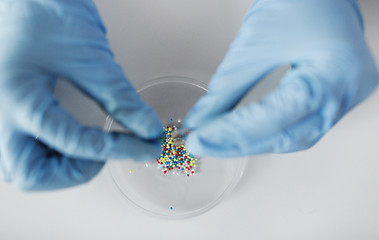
(332,71)
(40,41)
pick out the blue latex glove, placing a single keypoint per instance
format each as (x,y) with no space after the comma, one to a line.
(333,71)
(42,40)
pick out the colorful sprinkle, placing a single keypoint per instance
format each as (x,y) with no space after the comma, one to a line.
(131,171)
(174,155)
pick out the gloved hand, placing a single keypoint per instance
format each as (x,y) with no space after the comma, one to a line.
(40,41)
(332,71)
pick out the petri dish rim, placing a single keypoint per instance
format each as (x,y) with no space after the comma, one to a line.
(173,79)
(239,171)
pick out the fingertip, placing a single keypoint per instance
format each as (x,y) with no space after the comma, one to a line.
(190,121)
(153,129)
(149,130)
(208,107)
(194,145)
(219,138)
(151,153)
(127,146)
(201,146)
(195,116)
(147,156)
(203,142)
(144,123)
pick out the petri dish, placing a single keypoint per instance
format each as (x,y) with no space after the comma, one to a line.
(173,195)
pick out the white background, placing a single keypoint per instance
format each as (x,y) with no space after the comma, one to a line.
(328,192)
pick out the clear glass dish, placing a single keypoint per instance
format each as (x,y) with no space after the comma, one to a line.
(174,195)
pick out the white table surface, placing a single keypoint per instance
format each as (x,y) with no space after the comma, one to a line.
(328,192)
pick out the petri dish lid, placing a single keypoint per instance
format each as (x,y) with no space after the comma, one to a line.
(173,195)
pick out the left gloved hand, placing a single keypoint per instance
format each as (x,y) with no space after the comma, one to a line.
(332,71)
(41,40)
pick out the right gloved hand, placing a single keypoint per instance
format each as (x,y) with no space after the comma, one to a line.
(42,40)
(332,71)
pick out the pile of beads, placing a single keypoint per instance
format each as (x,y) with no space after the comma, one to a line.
(174,154)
